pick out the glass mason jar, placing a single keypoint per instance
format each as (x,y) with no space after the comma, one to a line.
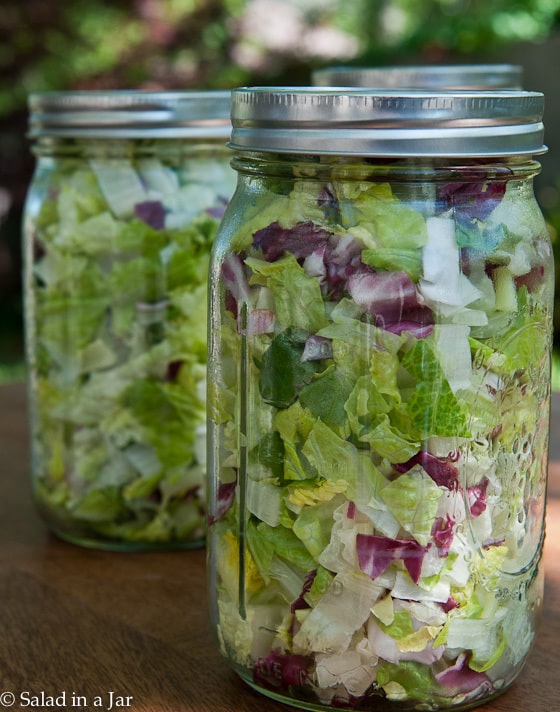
(435,77)
(378,408)
(122,210)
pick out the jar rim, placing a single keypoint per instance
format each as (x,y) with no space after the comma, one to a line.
(130,114)
(423,76)
(372,122)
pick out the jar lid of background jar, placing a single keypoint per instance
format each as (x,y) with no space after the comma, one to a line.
(437,77)
(130,114)
(371,122)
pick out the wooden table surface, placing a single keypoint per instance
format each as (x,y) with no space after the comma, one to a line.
(80,624)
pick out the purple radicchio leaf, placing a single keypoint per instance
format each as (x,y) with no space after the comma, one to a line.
(343,258)
(442,472)
(473,198)
(460,678)
(152,213)
(487,543)
(417,329)
(259,321)
(476,497)
(376,553)
(301,240)
(300,602)
(442,534)
(449,605)
(226,494)
(314,266)
(393,298)
(532,279)
(235,283)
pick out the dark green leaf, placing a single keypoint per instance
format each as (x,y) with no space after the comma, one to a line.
(325,397)
(270,452)
(283,373)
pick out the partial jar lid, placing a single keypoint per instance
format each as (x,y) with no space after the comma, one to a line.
(130,114)
(435,77)
(370,122)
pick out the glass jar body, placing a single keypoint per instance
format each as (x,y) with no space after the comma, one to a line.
(379,391)
(117,235)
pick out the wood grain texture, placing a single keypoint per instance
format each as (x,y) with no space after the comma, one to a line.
(86,622)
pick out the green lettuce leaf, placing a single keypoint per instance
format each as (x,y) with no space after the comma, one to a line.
(407,680)
(282,372)
(387,441)
(360,336)
(321,582)
(294,423)
(298,299)
(364,404)
(433,406)
(400,627)
(412,498)
(337,459)
(395,259)
(313,525)
(270,452)
(326,396)
(265,542)
(367,410)
(388,220)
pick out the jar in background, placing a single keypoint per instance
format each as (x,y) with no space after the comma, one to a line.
(379,389)
(435,77)
(122,210)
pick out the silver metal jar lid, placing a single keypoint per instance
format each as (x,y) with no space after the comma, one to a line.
(130,114)
(371,122)
(433,77)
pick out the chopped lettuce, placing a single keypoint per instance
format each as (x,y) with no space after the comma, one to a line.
(119,334)
(283,373)
(343,608)
(297,297)
(433,406)
(413,499)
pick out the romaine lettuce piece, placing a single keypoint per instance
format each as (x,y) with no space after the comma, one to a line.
(345,606)
(413,499)
(434,408)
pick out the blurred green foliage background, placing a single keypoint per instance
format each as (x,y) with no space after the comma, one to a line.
(209,44)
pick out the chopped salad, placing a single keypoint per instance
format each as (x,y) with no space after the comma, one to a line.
(379,416)
(118,252)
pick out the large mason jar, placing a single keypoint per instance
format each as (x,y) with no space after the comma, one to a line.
(379,352)
(436,77)
(122,210)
